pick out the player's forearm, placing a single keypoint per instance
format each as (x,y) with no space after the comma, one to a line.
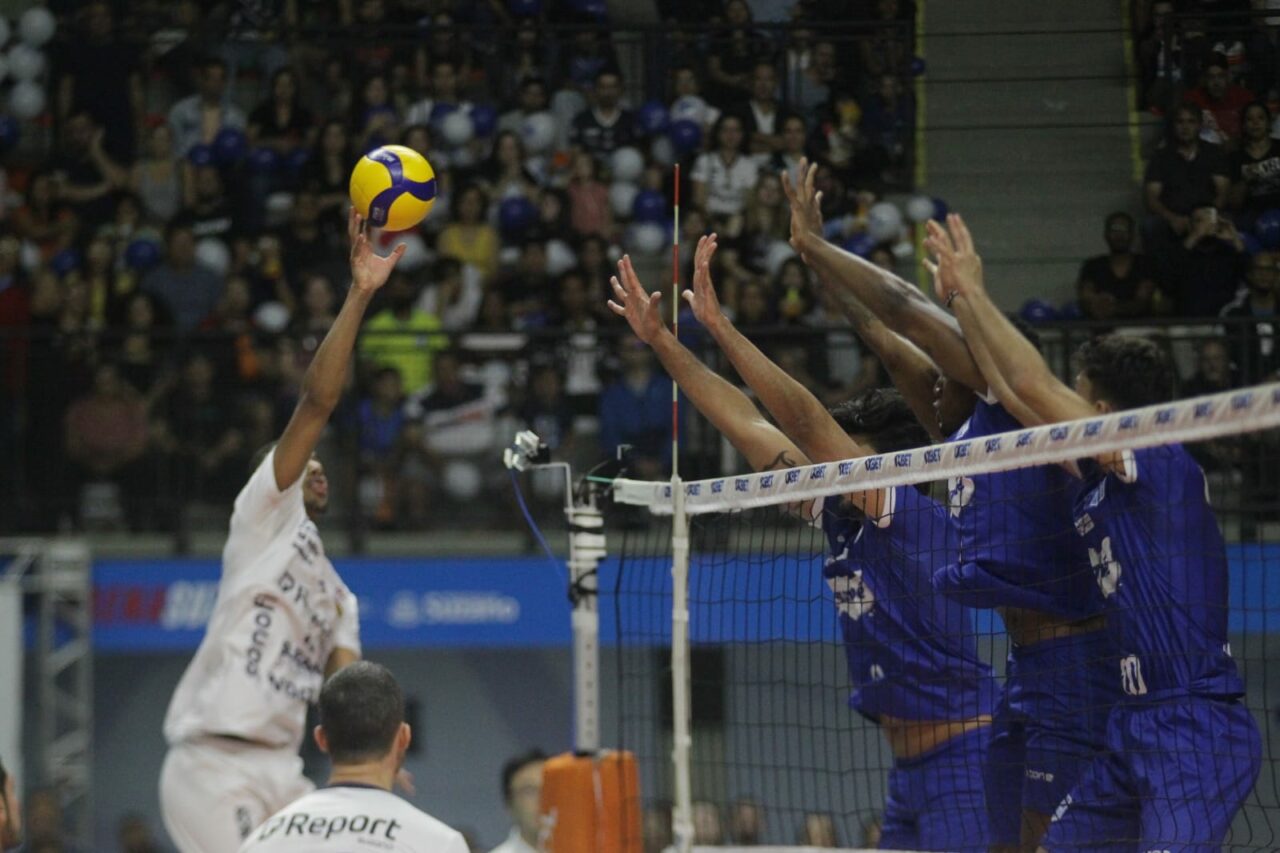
(912,372)
(797,411)
(901,306)
(1013,367)
(322,384)
(728,409)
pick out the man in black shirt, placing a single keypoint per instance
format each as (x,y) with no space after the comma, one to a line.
(1183,175)
(1252,338)
(605,126)
(1119,283)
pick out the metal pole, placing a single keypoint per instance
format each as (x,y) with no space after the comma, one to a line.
(586,550)
(682,739)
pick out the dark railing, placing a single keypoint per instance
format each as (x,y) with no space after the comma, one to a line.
(171,450)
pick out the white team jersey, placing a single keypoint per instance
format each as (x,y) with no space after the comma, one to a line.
(347,818)
(281,610)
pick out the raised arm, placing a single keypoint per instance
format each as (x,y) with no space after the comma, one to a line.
(728,408)
(800,415)
(913,373)
(1020,378)
(901,306)
(323,381)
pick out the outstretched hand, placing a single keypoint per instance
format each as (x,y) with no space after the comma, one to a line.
(806,204)
(369,270)
(702,298)
(957,269)
(641,310)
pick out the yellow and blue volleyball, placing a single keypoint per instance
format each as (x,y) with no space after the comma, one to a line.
(393,187)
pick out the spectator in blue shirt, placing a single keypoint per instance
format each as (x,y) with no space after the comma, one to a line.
(635,409)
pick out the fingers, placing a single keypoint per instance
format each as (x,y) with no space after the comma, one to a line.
(960,233)
(353,224)
(618,291)
(790,193)
(810,175)
(617,309)
(397,253)
(688,296)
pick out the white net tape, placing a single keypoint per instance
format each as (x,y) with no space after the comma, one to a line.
(1194,419)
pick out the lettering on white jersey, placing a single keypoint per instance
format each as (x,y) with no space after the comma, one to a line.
(1105,568)
(302,824)
(1131,676)
(959,493)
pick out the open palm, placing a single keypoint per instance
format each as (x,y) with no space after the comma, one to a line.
(641,310)
(369,270)
(702,298)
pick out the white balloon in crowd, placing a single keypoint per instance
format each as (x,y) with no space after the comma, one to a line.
(627,164)
(462,480)
(621,197)
(36,26)
(690,107)
(458,128)
(884,221)
(416,254)
(920,208)
(26,101)
(560,258)
(214,254)
(647,238)
(271,317)
(508,256)
(663,151)
(779,252)
(4,30)
(538,132)
(25,63)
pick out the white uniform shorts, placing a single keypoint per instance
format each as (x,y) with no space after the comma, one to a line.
(214,791)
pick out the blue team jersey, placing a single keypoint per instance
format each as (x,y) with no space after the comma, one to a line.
(911,652)
(1013,528)
(1161,567)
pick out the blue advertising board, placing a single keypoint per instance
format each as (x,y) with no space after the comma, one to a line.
(163,605)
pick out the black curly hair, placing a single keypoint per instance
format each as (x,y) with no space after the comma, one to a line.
(884,416)
(1127,372)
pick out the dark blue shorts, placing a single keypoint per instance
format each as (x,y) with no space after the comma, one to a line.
(1049,724)
(1172,779)
(936,801)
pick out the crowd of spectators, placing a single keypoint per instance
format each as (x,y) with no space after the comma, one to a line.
(172,241)
(1210,229)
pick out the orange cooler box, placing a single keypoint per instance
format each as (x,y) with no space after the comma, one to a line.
(591,803)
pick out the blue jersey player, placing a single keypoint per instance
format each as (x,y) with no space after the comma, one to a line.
(1015,550)
(911,655)
(1182,751)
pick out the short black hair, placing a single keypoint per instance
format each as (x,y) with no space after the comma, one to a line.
(883,415)
(361,709)
(1118,215)
(1127,372)
(514,765)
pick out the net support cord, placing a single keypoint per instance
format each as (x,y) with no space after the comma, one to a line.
(586,550)
(681,712)
(1194,419)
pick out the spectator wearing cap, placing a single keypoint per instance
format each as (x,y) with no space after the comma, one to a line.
(604,126)
(1119,283)
(197,118)
(1186,174)
(1221,102)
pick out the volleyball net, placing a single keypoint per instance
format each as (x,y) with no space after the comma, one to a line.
(793,672)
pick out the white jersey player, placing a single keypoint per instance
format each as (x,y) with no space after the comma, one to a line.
(283,621)
(362,728)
